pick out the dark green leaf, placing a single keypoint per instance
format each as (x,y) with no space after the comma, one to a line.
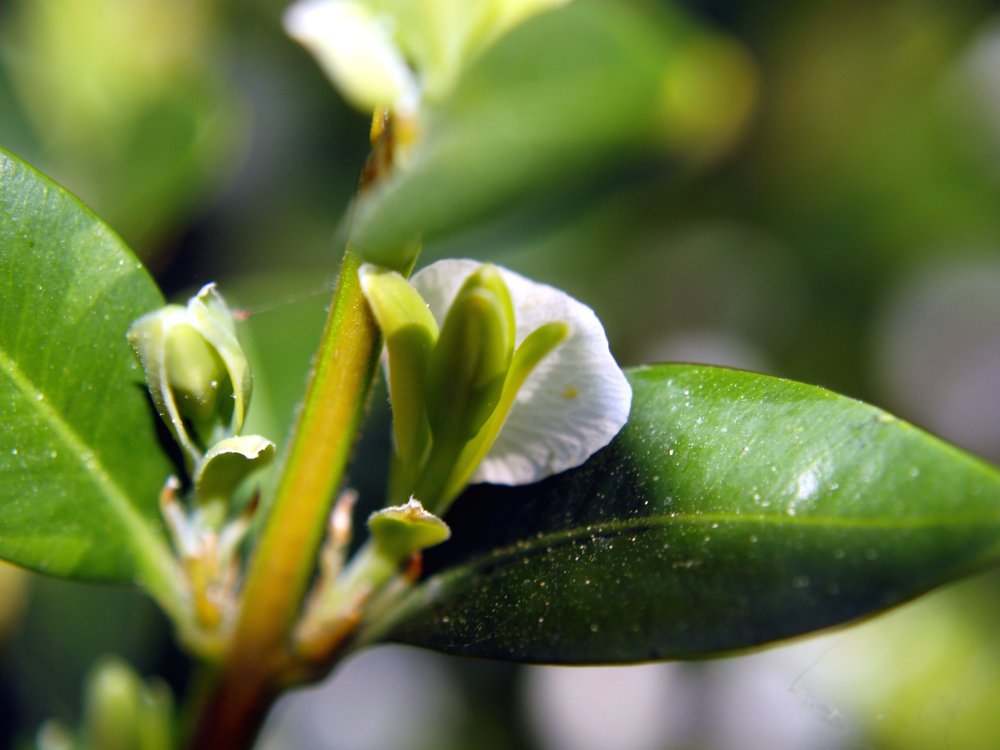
(80,462)
(734,509)
(570,90)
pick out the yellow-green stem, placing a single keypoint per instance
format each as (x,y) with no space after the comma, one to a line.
(249,676)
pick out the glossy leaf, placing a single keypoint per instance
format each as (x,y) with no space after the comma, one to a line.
(564,93)
(734,509)
(81,465)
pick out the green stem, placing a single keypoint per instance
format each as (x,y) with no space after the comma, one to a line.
(260,652)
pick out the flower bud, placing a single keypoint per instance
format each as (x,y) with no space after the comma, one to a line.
(112,706)
(399,531)
(198,378)
(469,364)
(197,373)
(122,712)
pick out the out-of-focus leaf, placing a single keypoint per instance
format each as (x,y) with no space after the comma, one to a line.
(127,103)
(734,509)
(81,465)
(68,625)
(567,92)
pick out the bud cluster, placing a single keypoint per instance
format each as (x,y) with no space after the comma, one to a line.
(200,382)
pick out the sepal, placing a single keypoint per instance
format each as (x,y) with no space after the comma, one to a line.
(410,333)
(229,462)
(402,530)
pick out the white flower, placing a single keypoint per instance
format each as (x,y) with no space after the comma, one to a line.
(393,53)
(574,401)
(356,48)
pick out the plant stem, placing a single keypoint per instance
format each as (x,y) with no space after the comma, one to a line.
(251,672)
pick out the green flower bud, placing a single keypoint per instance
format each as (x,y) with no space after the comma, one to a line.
(197,376)
(399,531)
(111,718)
(468,366)
(197,373)
(121,712)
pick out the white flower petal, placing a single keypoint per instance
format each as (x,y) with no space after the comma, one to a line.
(356,49)
(572,404)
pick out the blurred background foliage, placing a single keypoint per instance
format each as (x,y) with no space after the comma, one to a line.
(821,201)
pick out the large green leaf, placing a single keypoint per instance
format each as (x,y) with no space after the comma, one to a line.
(567,92)
(81,465)
(733,509)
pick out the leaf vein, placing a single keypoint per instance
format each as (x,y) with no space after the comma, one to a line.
(115,497)
(621,527)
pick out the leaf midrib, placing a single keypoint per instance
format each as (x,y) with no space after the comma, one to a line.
(115,497)
(621,527)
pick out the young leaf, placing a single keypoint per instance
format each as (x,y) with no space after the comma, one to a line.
(80,463)
(734,509)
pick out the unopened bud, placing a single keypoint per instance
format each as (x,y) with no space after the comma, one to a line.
(197,373)
(469,364)
(402,530)
(122,712)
